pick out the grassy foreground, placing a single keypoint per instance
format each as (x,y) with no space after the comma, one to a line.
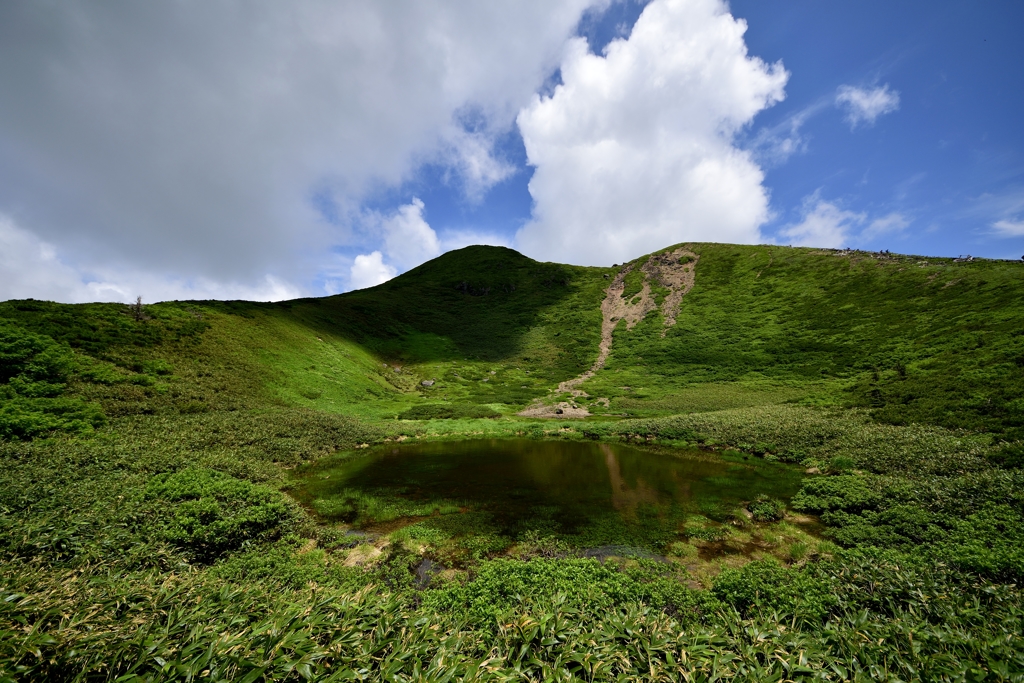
(147,455)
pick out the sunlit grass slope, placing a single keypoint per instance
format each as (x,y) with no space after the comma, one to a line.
(491,326)
(914,340)
(188,357)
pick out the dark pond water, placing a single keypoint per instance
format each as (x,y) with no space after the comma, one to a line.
(597,492)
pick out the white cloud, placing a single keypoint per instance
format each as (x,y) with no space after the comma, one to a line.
(1001,213)
(31,268)
(369,270)
(634,150)
(187,137)
(824,224)
(865,106)
(1009,228)
(889,224)
(408,239)
(125,286)
(775,145)
(472,155)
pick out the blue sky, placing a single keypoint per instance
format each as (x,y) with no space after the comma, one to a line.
(949,160)
(179,151)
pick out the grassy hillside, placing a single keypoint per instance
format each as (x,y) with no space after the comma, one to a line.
(488,324)
(147,531)
(914,339)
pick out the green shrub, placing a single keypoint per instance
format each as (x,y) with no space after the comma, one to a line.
(211,512)
(32,357)
(767,509)
(34,371)
(27,418)
(1010,456)
(989,542)
(505,584)
(898,526)
(766,586)
(849,493)
(633,283)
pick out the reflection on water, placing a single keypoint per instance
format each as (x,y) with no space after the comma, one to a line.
(625,499)
(603,492)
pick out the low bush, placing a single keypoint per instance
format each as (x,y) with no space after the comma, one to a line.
(989,542)
(1010,456)
(767,587)
(848,493)
(767,509)
(27,418)
(34,371)
(32,357)
(585,584)
(211,512)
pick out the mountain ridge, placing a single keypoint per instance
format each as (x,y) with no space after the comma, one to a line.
(881,331)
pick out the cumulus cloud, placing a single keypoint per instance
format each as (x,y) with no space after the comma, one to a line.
(187,137)
(824,224)
(408,238)
(369,270)
(31,268)
(471,154)
(634,150)
(865,106)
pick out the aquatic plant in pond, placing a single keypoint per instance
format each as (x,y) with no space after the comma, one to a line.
(590,494)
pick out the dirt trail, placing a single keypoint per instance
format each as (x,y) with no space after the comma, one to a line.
(666,270)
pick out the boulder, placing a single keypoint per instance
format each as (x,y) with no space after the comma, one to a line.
(427,382)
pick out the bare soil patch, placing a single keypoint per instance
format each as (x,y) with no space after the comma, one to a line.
(675,271)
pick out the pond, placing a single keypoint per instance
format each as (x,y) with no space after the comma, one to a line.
(588,493)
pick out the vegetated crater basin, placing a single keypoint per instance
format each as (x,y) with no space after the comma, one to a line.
(588,493)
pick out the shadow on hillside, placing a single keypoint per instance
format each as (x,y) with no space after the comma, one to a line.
(478,302)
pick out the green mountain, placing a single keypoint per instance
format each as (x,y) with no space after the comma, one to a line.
(914,340)
(148,456)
